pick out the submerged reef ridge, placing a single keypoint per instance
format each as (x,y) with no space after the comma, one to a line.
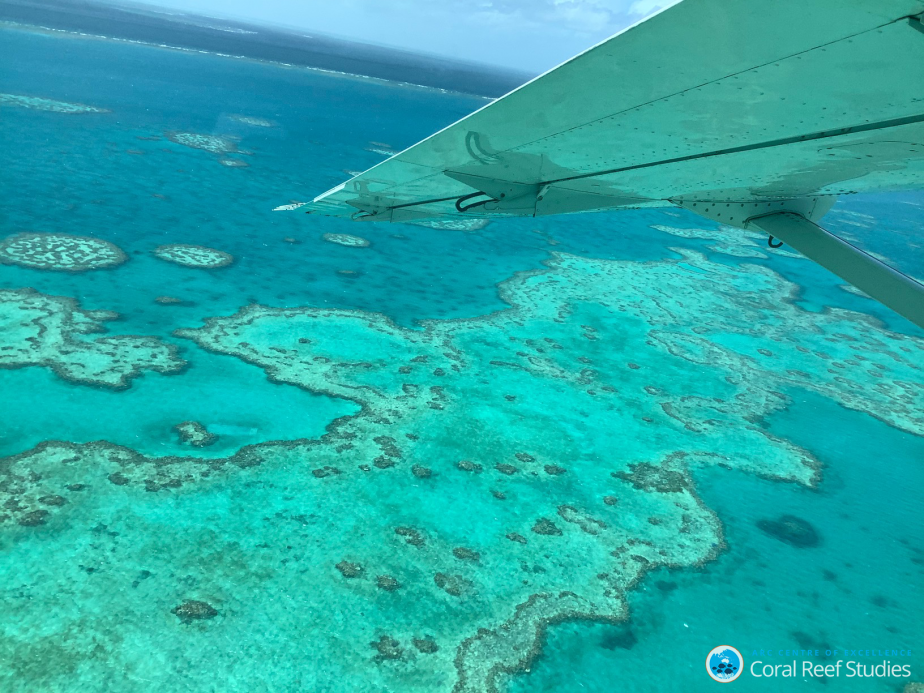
(38,103)
(254,121)
(791,530)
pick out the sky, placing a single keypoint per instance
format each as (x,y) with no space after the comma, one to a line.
(526,35)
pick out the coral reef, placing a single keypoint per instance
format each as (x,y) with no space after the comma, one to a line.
(387,648)
(464,554)
(196,256)
(730,241)
(210,143)
(605,382)
(346,239)
(469,225)
(426,645)
(193,610)
(195,434)
(254,121)
(387,583)
(59,251)
(382,149)
(791,530)
(37,103)
(350,570)
(51,331)
(547,527)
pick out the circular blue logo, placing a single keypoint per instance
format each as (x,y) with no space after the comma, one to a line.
(724,663)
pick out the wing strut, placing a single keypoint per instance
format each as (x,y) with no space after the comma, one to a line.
(899,292)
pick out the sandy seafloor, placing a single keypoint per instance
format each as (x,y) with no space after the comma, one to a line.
(632,398)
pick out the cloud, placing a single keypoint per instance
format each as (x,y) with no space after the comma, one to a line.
(646,7)
(560,15)
(530,35)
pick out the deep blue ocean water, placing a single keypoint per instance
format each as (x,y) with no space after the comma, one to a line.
(117,177)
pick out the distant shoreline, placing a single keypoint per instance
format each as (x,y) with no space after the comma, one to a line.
(78,35)
(264,44)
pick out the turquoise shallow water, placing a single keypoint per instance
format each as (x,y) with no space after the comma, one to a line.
(234,400)
(861,589)
(553,405)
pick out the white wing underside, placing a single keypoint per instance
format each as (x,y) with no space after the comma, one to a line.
(731,101)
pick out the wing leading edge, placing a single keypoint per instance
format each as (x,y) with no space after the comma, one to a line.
(710,103)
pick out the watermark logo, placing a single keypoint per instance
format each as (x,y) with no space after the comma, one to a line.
(724,663)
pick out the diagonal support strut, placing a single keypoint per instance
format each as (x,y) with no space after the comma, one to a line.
(890,287)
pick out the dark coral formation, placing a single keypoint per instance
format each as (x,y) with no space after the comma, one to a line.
(53,500)
(421,472)
(119,479)
(350,570)
(588,524)
(34,518)
(387,648)
(504,468)
(451,584)
(620,637)
(647,477)
(464,554)
(792,530)
(194,610)
(195,434)
(547,527)
(389,446)
(387,583)
(426,645)
(411,536)
(554,470)
(469,466)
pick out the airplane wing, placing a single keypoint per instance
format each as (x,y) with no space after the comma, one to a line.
(736,109)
